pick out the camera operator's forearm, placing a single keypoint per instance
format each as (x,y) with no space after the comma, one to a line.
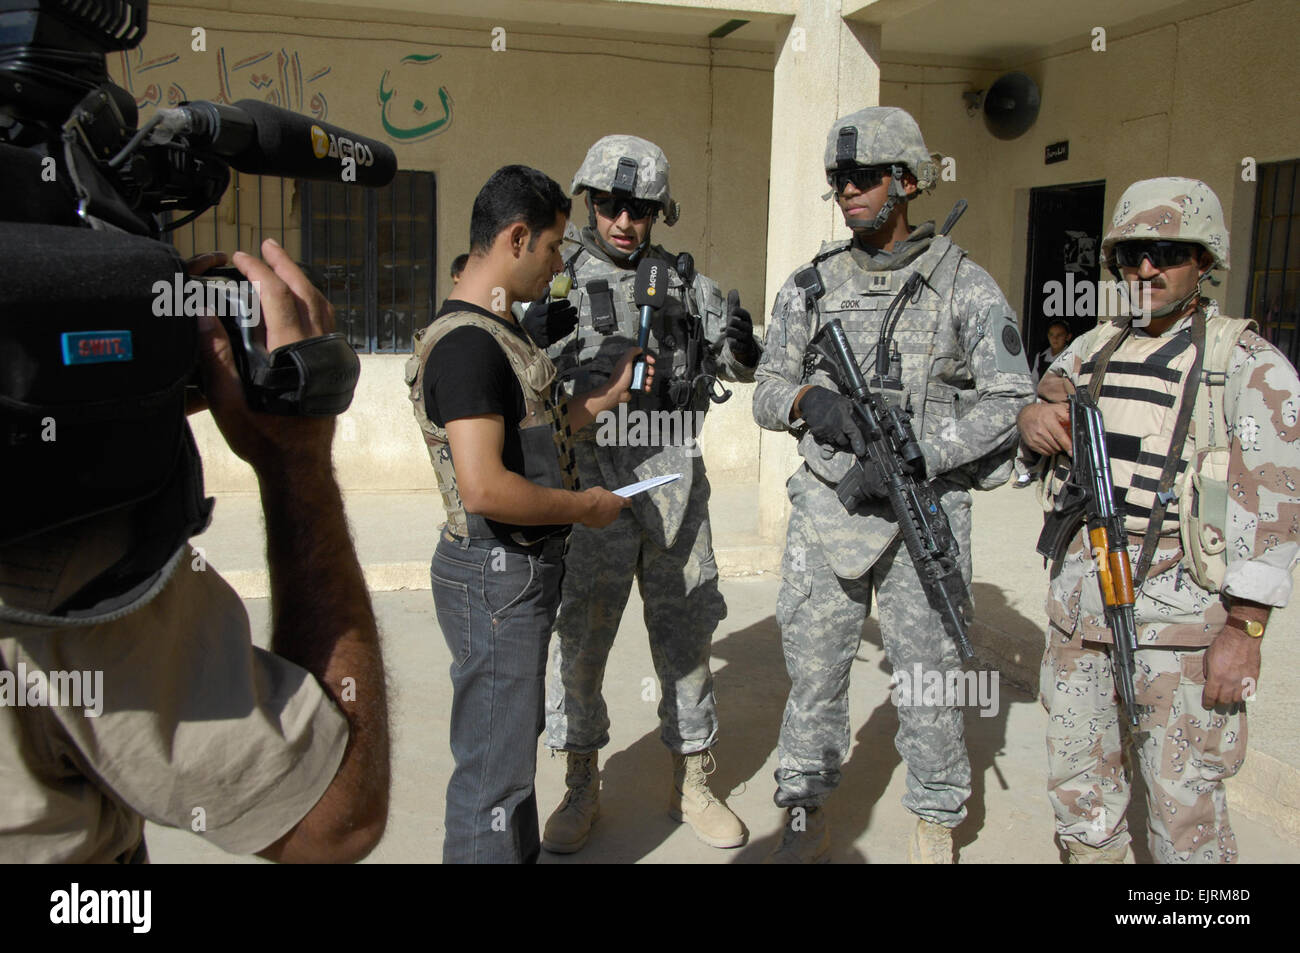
(509,498)
(322,619)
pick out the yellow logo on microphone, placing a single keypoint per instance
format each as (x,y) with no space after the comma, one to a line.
(320,142)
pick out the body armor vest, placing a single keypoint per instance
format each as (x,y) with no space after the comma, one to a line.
(931,364)
(1141,394)
(608,323)
(544,429)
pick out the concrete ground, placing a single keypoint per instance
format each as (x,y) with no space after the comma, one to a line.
(1010,821)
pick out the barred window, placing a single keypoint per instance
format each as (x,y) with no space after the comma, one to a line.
(371,251)
(1271,298)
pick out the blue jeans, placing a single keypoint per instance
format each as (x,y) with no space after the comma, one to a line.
(496,605)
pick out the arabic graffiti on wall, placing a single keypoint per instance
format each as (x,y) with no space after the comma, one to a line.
(282,81)
(406,111)
(404,115)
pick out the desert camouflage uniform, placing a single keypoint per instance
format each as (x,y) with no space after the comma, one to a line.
(965,378)
(663,540)
(1183,750)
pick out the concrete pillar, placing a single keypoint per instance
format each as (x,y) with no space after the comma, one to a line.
(825,68)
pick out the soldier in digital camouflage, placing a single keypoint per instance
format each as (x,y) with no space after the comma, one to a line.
(960,368)
(664,540)
(1214,535)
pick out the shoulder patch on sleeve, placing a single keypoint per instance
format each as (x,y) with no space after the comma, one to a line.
(1008,347)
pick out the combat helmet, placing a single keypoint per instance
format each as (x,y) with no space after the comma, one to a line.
(881,135)
(627,165)
(1169,208)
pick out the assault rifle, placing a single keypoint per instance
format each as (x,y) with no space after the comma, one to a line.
(892,449)
(1089,496)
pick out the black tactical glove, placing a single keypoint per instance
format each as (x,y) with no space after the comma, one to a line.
(863,482)
(740,331)
(832,421)
(549,320)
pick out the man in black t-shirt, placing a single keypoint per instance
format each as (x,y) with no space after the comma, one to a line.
(485,399)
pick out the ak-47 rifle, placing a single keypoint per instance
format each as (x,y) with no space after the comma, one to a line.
(893,451)
(1089,496)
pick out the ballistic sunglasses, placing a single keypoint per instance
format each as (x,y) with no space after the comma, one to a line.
(612,206)
(862,177)
(1162,254)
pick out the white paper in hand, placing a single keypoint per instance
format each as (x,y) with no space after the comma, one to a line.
(632,489)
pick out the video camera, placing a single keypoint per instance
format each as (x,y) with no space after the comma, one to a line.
(92,380)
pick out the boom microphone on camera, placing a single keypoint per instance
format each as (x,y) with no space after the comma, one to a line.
(261,139)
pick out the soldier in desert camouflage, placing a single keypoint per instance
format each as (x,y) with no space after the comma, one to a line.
(1213,537)
(962,373)
(663,540)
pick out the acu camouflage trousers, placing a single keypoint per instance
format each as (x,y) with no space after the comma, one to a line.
(821,618)
(683,606)
(1183,750)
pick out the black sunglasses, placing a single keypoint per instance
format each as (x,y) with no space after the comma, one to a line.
(1162,254)
(862,177)
(612,206)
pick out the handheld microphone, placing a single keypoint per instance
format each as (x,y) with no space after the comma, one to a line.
(648,294)
(261,139)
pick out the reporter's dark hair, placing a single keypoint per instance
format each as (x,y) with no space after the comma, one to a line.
(515,193)
(458,263)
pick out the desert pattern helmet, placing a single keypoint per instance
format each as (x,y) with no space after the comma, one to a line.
(1169,209)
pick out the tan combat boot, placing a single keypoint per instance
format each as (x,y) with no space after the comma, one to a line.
(569,825)
(692,801)
(1081,853)
(931,843)
(806,840)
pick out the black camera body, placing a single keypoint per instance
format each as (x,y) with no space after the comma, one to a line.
(93,372)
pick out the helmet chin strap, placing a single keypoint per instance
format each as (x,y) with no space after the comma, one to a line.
(1176,307)
(611,251)
(896,194)
(617,253)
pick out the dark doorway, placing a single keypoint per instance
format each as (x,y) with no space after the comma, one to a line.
(1065,229)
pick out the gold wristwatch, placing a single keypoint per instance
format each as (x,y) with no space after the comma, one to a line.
(1253,628)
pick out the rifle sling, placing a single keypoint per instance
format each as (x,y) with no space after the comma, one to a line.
(1170,472)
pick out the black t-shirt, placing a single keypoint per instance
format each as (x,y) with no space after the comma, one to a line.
(468,374)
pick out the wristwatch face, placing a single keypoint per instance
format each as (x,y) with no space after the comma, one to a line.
(1253,628)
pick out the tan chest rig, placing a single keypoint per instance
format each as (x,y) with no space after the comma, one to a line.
(544,430)
(1174,470)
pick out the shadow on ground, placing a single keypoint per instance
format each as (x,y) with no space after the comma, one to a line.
(751,689)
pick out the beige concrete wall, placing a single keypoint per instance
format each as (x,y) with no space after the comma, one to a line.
(1190,98)
(825,68)
(541,102)
(547,97)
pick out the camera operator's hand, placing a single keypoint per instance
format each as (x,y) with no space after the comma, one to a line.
(293,310)
(323,620)
(196,267)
